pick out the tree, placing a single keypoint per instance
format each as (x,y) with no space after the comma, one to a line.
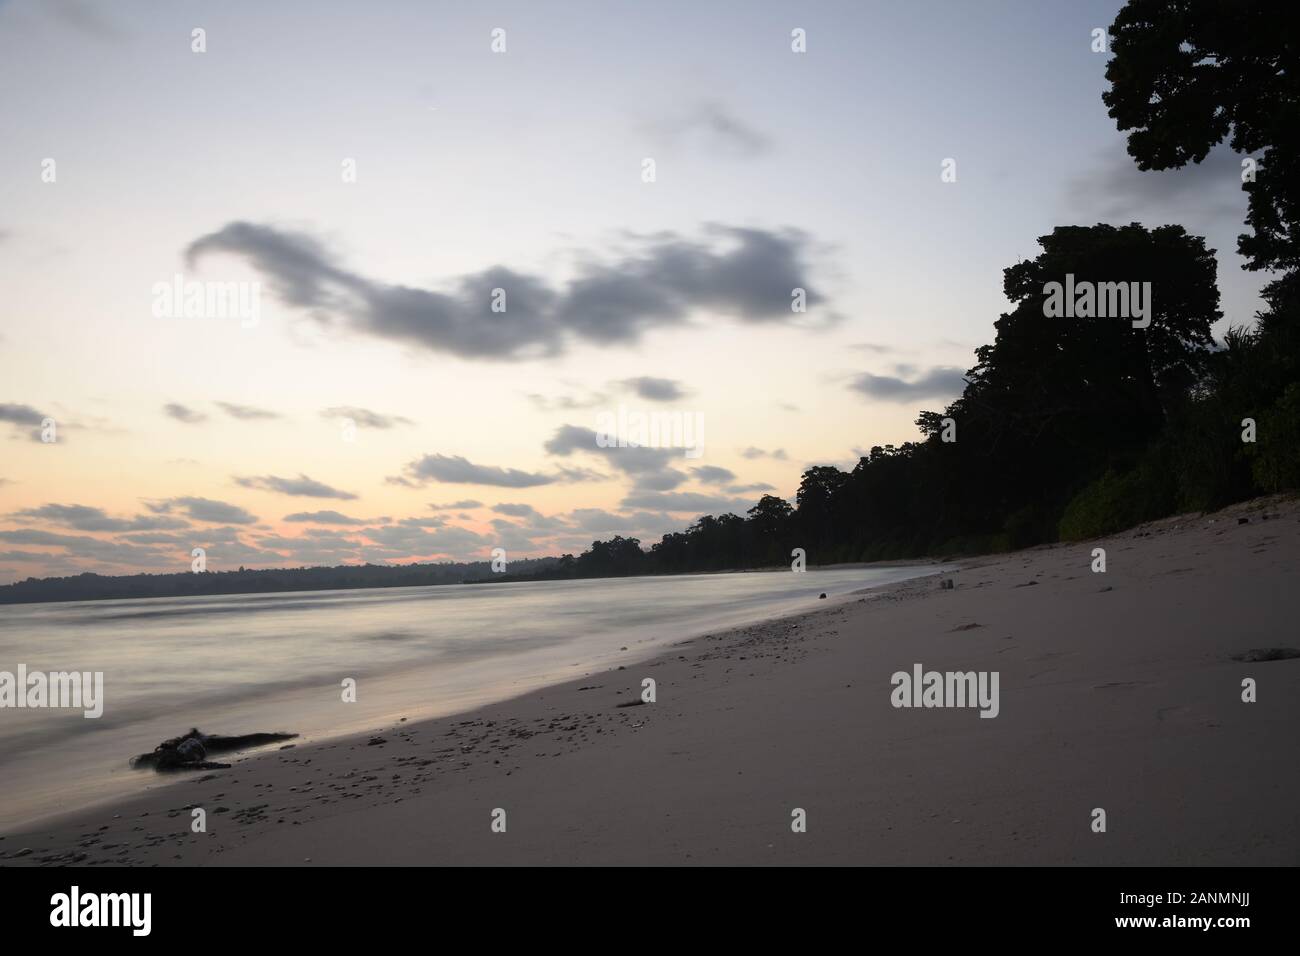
(1188,74)
(770,515)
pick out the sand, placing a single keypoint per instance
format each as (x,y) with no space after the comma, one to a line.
(1118,691)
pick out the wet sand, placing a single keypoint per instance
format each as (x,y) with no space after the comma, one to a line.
(1117,691)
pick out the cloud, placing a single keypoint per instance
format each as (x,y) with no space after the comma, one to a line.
(685,501)
(86,518)
(656,389)
(1116,190)
(462,505)
(433,521)
(403,541)
(945,381)
(713,475)
(741,272)
(85,548)
(22,417)
(85,18)
(751,453)
(204,509)
(20,414)
(453,469)
(365,418)
(183,414)
(302,487)
(748,489)
(515,510)
(714,127)
(566,403)
(325,517)
(246,412)
(648,467)
(533,519)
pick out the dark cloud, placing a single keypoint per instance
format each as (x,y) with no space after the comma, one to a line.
(648,467)
(574,475)
(84,549)
(941,382)
(183,414)
(1116,190)
(433,521)
(713,475)
(453,469)
(302,487)
(751,453)
(86,518)
(599,521)
(656,389)
(412,542)
(204,509)
(742,272)
(533,519)
(457,505)
(246,412)
(25,418)
(365,418)
(20,414)
(324,517)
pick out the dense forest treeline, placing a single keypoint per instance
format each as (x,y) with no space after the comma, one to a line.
(97,587)
(1069,426)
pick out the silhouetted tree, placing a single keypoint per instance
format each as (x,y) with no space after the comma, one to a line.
(1188,74)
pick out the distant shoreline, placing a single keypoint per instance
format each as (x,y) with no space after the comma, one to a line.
(10,597)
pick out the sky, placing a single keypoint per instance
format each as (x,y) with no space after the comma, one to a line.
(646,184)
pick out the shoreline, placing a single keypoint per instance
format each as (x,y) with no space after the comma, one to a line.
(57,775)
(504,579)
(1118,691)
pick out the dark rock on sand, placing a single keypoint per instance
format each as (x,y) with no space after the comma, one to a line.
(190,751)
(1258,654)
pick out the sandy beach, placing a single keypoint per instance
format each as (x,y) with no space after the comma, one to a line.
(1118,690)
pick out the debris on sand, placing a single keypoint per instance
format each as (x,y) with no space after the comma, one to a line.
(1258,655)
(190,751)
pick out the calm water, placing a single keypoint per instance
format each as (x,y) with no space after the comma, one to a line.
(238,664)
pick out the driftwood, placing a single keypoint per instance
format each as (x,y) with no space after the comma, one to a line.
(190,751)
